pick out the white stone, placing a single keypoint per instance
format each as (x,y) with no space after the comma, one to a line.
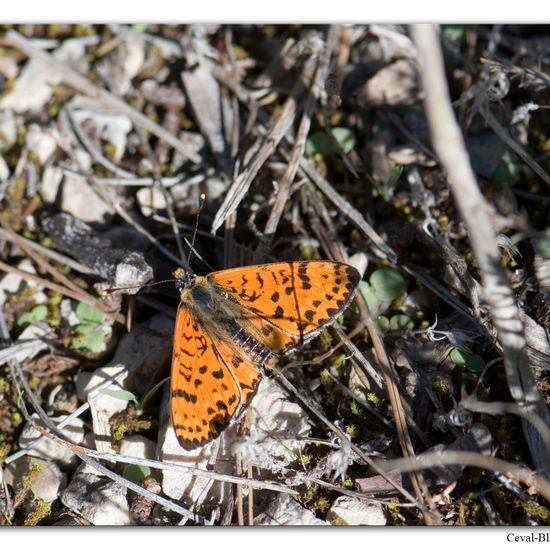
(90,387)
(278,428)
(138,446)
(178,485)
(8,67)
(11,283)
(45,483)
(49,449)
(360,261)
(32,334)
(97,499)
(67,309)
(4,170)
(355,511)
(284,510)
(8,129)
(33,87)
(138,358)
(150,200)
(77,197)
(112,127)
(42,142)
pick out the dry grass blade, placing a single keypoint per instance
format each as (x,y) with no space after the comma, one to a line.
(536,482)
(283,191)
(79,296)
(266,145)
(84,86)
(449,145)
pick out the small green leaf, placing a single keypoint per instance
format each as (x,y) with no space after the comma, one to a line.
(382,324)
(373,301)
(475,363)
(123,395)
(401,322)
(258,198)
(89,337)
(458,357)
(319,143)
(36,314)
(89,314)
(394,176)
(345,138)
(454,33)
(507,172)
(388,283)
(137,474)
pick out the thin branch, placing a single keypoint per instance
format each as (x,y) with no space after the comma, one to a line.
(449,145)
(466,458)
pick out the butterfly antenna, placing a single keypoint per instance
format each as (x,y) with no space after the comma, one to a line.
(107,291)
(192,250)
(202,200)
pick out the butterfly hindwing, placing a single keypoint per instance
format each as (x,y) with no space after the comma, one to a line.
(211,382)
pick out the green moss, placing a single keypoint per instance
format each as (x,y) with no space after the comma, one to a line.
(352,430)
(16,419)
(42,510)
(533,510)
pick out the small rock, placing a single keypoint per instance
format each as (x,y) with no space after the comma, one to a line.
(11,283)
(45,476)
(278,428)
(135,367)
(50,450)
(194,142)
(360,261)
(67,310)
(486,151)
(8,67)
(138,446)
(4,169)
(33,87)
(77,197)
(113,128)
(97,499)
(150,200)
(8,129)
(41,142)
(32,90)
(394,84)
(284,510)
(175,484)
(355,511)
(31,337)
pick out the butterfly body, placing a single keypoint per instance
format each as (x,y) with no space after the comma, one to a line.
(231,322)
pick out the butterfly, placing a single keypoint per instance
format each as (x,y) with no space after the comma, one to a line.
(231,322)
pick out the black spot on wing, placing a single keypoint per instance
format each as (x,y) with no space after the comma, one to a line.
(191,398)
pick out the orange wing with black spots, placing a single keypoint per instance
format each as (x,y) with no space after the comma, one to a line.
(231,321)
(289,302)
(211,382)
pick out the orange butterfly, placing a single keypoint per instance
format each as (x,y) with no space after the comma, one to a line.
(231,321)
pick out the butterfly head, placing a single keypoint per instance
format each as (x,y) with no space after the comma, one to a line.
(183,277)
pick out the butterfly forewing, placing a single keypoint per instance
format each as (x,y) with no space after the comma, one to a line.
(289,302)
